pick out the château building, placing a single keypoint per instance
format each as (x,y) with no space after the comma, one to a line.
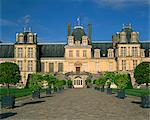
(78,59)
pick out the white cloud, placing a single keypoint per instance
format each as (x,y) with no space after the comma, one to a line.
(121,3)
(5,22)
(118,4)
(25,20)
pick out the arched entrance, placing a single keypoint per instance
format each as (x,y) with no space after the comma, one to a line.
(78,78)
(78,82)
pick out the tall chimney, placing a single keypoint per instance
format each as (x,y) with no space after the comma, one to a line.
(69,31)
(89,31)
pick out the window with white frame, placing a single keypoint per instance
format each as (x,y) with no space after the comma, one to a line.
(51,67)
(110,54)
(84,53)
(70,53)
(134,64)
(123,64)
(20,65)
(60,67)
(20,52)
(30,52)
(134,51)
(123,51)
(30,66)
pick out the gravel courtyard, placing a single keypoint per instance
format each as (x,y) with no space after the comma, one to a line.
(78,104)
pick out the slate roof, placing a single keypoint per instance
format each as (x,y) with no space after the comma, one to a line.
(51,50)
(6,50)
(102,46)
(78,33)
(57,49)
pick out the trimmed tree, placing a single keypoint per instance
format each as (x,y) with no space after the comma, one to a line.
(50,79)
(142,73)
(69,83)
(36,84)
(110,76)
(9,74)
(121,80)
(100,82)
(88,83)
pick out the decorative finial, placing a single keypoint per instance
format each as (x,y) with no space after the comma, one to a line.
(130,25)
(24,29)
(78,21)
(123,26)
(29,29)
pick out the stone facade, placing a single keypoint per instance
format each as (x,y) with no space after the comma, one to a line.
(79,56)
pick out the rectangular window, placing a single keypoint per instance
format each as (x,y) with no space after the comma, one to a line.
(70,53)
(42,67)
(20,65)
(77,53)
(123,64)
(51,67)
(20,53)
(30,52)
(84,53)
(134,51)
(142,53)
(123,51)
(84,42)
(110,54)
(134,64)
(60,67)
(30,66)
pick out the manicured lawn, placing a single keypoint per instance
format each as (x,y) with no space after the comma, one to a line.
(135,92)
(17,92)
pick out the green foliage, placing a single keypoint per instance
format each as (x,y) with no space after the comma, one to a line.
(135,92)
(88,82)
(101,81)
(36,81)
(69,83)
(142,73)
(110,76)
(17,92)
(129,84)
(122,80)
(51,79)
(58,83)
(9,73)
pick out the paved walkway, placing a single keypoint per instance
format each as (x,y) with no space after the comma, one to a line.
(78,104)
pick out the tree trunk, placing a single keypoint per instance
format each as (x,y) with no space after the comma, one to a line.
(147,85)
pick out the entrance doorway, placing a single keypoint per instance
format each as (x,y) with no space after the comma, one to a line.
(77,69)
(78,82)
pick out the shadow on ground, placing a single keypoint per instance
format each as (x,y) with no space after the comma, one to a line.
(29,103)
(6,115)
(47,96)
(136,102)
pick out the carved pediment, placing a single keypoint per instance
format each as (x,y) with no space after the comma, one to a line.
(78,64)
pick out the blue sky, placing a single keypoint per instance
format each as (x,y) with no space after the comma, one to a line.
(49,18)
